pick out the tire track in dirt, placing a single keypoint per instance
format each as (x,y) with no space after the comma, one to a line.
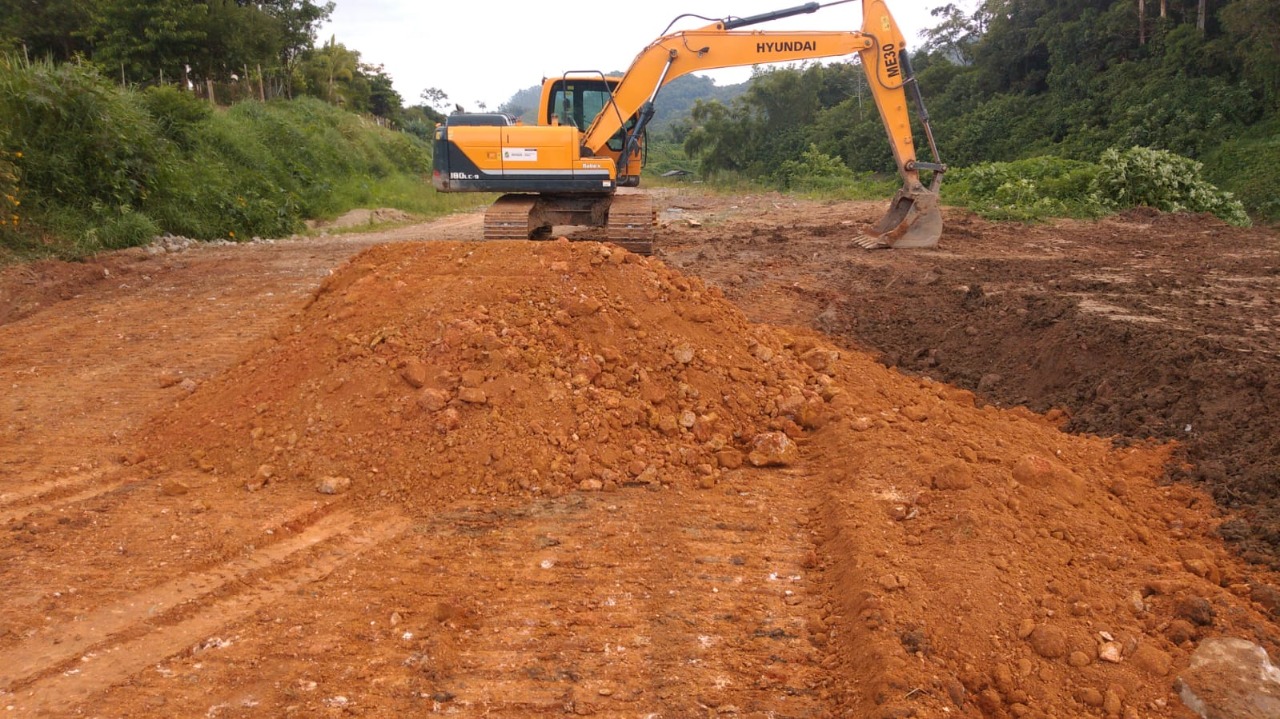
(121,640)
(50,494)
(692,588)
(70,641)
(705,600)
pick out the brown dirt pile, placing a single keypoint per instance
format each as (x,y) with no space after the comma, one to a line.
(979,561)
(1164,328)
(424,372)
(989,562)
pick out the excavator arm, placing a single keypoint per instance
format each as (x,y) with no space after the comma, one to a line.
(556,174)
(914,219)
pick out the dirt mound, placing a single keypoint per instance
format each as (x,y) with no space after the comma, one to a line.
(362,218)
(425,372)
(1140,325)
(1180,347)
(1002,567)
(980,561)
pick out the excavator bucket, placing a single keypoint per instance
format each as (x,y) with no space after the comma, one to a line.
(914,219)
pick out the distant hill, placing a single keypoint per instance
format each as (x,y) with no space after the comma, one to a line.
(674,102)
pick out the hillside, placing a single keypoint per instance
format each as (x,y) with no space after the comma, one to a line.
(674,102)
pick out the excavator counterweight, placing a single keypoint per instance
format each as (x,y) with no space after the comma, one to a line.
(588,141)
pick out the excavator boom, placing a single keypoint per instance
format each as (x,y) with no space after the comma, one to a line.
(561,162)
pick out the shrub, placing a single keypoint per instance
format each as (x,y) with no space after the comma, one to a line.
(122,228)
(1142,176)
(105,167)
(1249,167)
(1029,189)
(812,166)
(82,139)
(179,115)
(10,191)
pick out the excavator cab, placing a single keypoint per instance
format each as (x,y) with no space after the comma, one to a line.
(576,99)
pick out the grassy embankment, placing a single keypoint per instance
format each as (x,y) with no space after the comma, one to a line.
(86,165)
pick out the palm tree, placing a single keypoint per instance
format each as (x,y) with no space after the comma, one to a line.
(338,64)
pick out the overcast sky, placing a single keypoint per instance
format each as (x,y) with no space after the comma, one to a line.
(482,51)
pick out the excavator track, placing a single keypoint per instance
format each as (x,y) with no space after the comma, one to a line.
(508,218)
(631,223)
(628,219)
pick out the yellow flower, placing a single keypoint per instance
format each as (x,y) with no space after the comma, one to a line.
(17,154)
(232,233)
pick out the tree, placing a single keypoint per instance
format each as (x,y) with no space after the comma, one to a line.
(720,137)
(435,97)
(239,37)
(384,101)
(329,69)
(1254,28)
(142,38)
(298,22)
(58,29)
(955,35)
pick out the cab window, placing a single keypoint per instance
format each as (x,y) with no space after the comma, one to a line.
(586,98)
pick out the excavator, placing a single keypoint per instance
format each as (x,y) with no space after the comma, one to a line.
(587,146)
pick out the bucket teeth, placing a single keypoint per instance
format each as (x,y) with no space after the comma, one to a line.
(867,242)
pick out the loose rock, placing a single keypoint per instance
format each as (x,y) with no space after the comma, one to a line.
(1152,660)
(772,449)
(953,475)
(333,485)
(1048,641)
(1231,678)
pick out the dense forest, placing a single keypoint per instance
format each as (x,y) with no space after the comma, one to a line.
(1018,79)
(229,118)
(230,49)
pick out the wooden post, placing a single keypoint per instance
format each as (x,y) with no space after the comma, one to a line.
(1200,13)
(208,83)
(262,91)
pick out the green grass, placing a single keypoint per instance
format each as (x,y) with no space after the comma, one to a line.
(96,167)
(1249,168)
(409,193)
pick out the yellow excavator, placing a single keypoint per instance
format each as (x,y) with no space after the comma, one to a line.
(589,137)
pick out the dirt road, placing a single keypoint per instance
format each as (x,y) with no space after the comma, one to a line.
(554,504)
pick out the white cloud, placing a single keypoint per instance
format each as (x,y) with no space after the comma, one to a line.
(485,51)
